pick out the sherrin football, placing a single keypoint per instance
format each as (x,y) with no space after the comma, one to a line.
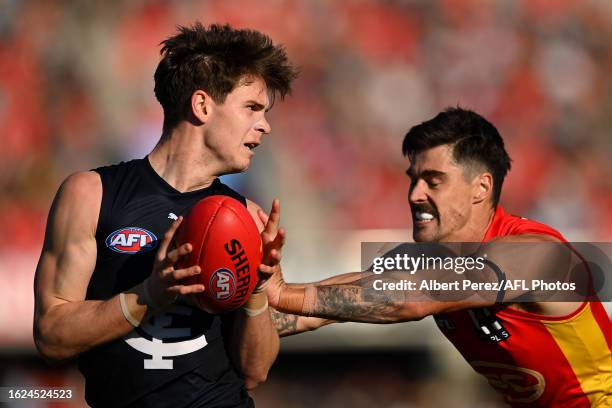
(227,247)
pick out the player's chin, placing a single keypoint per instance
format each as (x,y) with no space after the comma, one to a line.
(244,166)
(424,234)
(240,165)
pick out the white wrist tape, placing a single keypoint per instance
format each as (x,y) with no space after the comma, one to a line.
(310,299)
(126,312)
(256,312)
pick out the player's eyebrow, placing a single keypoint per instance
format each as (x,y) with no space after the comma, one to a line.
(427,173)
(258,106)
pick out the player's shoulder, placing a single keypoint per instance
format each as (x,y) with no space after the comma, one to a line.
(81,184)
(506,224)
(77,203)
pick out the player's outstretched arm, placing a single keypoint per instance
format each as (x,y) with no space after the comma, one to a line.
(352,300)
(289,324)
(362,300)
(65,324)
(359,301)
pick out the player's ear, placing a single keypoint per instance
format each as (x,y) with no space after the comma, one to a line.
(482,187)
(201,105)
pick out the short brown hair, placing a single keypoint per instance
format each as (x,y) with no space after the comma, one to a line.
(214,59)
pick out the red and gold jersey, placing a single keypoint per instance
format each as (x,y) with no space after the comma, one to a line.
(536,360)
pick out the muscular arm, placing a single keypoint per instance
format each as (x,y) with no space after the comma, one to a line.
(65,324)
(289,324)
(358,300)
(254,346)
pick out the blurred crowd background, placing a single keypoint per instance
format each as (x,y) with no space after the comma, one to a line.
(76,92)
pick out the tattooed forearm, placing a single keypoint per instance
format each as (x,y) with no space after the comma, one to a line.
(360,302)
(285,324)
(288,324)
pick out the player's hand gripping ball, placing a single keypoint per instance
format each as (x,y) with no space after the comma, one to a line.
(227,247)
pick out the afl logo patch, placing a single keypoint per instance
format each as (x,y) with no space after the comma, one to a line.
(131,240)
(223,284)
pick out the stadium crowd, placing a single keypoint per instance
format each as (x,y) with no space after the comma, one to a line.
(76,91)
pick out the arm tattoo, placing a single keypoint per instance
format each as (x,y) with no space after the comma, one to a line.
(359,301)
(284,323)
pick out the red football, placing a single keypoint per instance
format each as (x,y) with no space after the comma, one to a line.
(227,246)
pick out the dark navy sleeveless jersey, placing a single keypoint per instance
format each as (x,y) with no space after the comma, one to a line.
(178,357)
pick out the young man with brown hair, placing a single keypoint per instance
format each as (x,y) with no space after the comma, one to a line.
(106,288)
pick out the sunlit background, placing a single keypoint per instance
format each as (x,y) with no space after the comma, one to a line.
(76,92)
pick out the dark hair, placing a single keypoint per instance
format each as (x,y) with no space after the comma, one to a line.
(474,141)
(214,59)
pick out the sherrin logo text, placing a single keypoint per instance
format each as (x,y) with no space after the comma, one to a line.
(131,240)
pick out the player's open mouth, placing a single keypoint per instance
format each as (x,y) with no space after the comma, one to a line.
(251,146)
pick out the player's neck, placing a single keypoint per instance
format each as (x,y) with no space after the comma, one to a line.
(483,216)
(178,159)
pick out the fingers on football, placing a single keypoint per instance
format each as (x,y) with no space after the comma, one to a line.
(266,269)
(174,255)
(178,274)
(186,289)
(165,243)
